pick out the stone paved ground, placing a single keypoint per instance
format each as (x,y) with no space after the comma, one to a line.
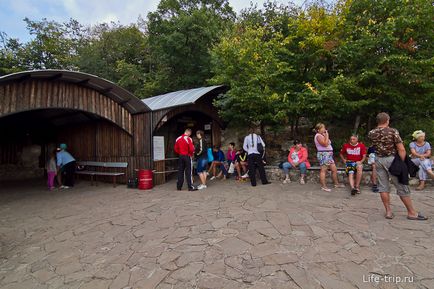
(229,236)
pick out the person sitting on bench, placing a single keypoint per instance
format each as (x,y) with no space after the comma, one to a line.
(353,154)
(297,158)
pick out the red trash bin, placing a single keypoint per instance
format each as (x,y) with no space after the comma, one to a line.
(145,179)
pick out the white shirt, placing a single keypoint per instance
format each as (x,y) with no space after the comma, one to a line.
(252,148)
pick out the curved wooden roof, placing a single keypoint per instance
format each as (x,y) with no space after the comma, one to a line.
(118,94)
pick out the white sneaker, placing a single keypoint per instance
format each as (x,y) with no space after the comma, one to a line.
(201,187)
(286,181)
(245,176)
(65,187)
(212,178)
(302,181)
(62,187)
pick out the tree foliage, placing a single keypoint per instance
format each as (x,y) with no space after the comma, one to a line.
(282,63)
(181,33)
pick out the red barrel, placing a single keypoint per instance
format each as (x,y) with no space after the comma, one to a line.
(145,179)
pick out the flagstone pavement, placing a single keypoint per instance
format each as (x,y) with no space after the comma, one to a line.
(228,236)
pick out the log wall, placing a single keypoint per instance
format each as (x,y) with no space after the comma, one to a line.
(40,94)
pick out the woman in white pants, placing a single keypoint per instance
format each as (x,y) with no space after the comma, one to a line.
(421,156)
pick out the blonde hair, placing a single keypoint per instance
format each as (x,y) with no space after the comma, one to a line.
(319,126)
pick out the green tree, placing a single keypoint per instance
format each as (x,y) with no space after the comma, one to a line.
(385,62)
(270,61)
(181,33)
(53,46)
(117,53)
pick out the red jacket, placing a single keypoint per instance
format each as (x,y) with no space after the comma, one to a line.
(302,156)
(184,146)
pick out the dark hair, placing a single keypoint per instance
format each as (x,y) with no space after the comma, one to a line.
(188,129)
(201,133)
(297,141)
(232,144)
(216,147)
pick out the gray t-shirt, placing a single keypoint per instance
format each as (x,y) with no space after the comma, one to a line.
(420,149)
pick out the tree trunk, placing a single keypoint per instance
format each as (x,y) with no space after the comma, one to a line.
(297,124)
(262,127)
(357,124)
(293,129)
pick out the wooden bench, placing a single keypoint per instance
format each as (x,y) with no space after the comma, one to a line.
(90,169)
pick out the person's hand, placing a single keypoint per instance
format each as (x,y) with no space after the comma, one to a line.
(295,164)
(422,158)
(326,133)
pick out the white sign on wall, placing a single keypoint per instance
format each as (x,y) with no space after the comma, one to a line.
(158,142)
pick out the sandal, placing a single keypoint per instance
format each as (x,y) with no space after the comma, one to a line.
(390,217)
(353,191)
(326,189)
(419,217)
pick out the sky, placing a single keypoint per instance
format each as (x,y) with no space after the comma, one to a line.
(12,12)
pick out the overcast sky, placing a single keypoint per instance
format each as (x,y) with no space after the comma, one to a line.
(12,12)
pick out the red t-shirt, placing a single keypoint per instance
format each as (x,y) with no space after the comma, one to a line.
(353,153)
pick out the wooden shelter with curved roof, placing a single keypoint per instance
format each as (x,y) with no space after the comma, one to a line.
(97,119)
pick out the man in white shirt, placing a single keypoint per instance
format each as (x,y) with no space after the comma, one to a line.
(254,158)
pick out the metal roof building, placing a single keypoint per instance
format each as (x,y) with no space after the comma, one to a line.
(178,98)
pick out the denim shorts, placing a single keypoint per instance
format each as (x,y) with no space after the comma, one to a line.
(201,165)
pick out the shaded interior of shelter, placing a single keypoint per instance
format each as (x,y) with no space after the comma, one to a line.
(29,137)
(177,125)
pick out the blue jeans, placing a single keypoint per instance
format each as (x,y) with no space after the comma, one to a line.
(287,166)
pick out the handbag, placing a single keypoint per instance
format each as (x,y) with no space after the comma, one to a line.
(259,147)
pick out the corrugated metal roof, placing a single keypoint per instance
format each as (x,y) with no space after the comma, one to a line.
(103,86)
(178,98)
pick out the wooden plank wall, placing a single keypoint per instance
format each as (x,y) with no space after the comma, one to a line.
(38,94)
(104,142)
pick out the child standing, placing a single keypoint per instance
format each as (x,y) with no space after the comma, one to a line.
(51,170)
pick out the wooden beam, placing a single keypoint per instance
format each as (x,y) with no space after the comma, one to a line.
(55,76)
(83,82)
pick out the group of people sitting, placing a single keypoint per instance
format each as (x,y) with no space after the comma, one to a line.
(386,156)
(213,163)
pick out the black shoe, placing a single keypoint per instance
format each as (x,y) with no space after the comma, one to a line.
(267,183)
(178,189)
(192,189)
(353,191)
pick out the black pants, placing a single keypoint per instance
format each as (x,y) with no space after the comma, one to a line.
(184,169)
(255,162)
(69,171)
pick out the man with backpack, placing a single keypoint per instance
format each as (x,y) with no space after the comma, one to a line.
(255,148)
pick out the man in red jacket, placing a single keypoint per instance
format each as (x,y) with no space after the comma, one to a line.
(185,149)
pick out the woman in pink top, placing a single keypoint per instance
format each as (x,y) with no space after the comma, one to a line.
(325,156)
(297,158)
